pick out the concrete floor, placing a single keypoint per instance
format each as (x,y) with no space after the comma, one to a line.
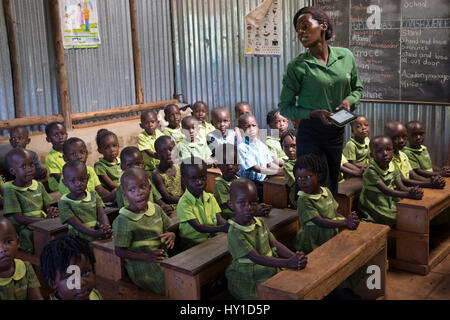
(435,285)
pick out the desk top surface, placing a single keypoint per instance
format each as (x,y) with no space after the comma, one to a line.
(329,258)
(431,197)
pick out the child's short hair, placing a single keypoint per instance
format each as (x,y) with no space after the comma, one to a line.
(70,142)
(51,125)
(133,172)
(15,152)
(199,103)
(103,133)
(168,107)
(358,116)
(186,163)
(185,120)
(410,125)
(147,112)
(311,162)
(271,114)
(16,128)
(128,151)
(288,133)
(73,164)
(376,140)
(240,104)
(161,140)
(243,118)
(58,253)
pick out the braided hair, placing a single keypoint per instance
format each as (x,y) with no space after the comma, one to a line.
(58,253)
(287,133)
(311,162)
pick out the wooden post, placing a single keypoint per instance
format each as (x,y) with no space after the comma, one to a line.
(15,71)
(60,61)
(136,53)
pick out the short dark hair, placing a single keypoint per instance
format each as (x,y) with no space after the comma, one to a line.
(271,114)
(287,133)
(311,162)
(128,151)
(243,118)
(187,163)
(319,15)
(411,124)
(167,108)
(161,140)
(16,152)
(57,254)
(70,142)
(147,112)
(102,134)
(199,103)
(51,125)
(186,119)
(376,139)
(22,128)
(73,164)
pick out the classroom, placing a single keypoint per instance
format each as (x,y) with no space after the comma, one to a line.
(224,150)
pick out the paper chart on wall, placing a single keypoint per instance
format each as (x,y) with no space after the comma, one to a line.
(79,23)
(262,30)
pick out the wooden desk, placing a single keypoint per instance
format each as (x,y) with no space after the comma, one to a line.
(275,192)
(330,264)
(211,176)
(412,231)
(46,230)
(186,272)
(348,195)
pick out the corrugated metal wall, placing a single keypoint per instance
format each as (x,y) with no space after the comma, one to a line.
(155,34)
(103,78)
(210,55)
(6,89)
(35,61)
(211,66)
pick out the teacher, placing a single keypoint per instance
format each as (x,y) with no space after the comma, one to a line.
(325,80)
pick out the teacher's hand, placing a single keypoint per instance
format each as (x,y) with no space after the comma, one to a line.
(322,115)
(345,104)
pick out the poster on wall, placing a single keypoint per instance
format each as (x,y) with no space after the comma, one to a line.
(79,23)
(262,30)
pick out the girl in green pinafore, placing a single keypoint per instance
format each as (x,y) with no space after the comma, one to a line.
(382,185)
(140,233)
(167,177)
(108,168)
(316,207)
(288,143)
(83,210)
(257,255)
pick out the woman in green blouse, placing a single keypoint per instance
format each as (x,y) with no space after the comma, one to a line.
(316,84)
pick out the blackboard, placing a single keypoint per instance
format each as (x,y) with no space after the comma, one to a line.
(402,47)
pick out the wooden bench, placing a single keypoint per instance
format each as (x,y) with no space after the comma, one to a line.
(330,264)
(275,192)
(188,271)
(412,231)
(211,176)
(348,195)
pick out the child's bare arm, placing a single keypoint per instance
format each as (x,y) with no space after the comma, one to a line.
(150,153)
(107,180)
(153,256)
(159,184)
(106,195)
(282,250)
(297,261)
(357,164)
(80,227)
(34,294)
(412,193)
(351,222)
(352,170)
(272,170)
(21,219)
(102,216)
(435,182)
(208,229)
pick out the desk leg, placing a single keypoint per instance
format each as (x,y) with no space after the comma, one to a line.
(180,286)
(108,265)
